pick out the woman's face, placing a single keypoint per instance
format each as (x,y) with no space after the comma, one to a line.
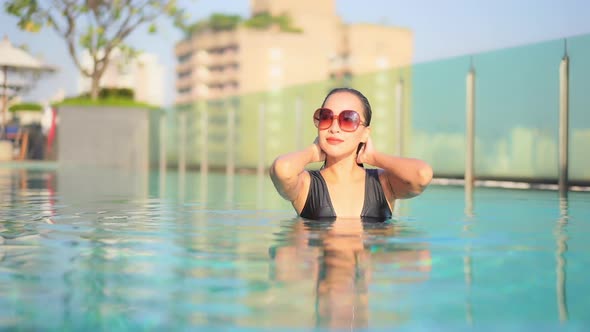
(336,142)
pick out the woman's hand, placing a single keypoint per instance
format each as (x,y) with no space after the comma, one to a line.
(407,177)
(318,154)
(366,154)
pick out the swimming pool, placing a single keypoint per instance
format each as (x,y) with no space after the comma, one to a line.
(103,250)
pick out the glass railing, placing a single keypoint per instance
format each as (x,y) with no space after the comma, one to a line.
(418,111)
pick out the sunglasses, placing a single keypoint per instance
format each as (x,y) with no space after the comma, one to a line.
(347,120)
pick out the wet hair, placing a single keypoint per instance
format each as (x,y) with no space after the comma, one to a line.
(366,106)
(366,109)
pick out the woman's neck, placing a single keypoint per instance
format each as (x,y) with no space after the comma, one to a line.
(342,170)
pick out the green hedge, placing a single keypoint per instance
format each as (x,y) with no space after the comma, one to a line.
(116,102)
(34,107)
(123,93)
(112,97)
(108,93)
(222,22)
(265,20)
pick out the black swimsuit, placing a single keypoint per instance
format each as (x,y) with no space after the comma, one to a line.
(318,205)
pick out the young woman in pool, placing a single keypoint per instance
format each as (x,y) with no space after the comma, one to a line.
(343,188)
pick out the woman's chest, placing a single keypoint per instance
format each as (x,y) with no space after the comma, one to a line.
(347,200)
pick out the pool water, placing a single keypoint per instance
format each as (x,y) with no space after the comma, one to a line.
(84,249)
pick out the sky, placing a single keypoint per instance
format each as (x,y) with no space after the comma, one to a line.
(442,29)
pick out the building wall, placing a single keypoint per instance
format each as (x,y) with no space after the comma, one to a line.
(271,60)
(185,71)
(213,65)
(374,47)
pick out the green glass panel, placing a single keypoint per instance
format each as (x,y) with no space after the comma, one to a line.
(516,121)
(438,114)
(517,111)
(579,55)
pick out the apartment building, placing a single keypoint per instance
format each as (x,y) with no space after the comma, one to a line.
(217,64)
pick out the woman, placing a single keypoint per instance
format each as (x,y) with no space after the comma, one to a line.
(343,187)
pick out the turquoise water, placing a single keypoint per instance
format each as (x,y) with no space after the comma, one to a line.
(84,249)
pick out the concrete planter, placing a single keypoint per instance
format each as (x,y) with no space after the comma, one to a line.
(104,137)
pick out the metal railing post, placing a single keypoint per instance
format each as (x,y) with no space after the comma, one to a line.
(162,153)
(261,139)
(470,138)
(563,124)
(230,167)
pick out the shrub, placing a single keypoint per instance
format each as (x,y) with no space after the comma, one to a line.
(222,22)
(122,93)
(104,102)
(265,20)
(26,107)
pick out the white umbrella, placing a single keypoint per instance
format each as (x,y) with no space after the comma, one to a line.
(14,59)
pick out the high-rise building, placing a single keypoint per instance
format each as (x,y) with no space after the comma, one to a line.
(317,46)
(143,74)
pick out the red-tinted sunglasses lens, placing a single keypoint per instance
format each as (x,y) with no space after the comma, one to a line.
(347,120)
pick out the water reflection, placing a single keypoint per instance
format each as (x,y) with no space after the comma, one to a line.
(27,193)
(561,241)
(340,258)
(467,258)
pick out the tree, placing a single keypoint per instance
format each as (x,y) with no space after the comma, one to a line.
(97,26)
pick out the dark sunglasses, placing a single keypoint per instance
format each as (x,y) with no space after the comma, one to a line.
(347,120)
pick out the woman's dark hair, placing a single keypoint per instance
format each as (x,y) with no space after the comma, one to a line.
(366,109)
(366,106)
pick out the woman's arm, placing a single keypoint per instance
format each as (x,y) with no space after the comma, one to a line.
(288,171)
(407,177)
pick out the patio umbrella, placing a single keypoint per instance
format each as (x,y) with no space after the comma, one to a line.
(14,59)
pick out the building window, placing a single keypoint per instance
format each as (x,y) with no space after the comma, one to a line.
(184,91)
(185,57)
(216,68)
(184,74)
